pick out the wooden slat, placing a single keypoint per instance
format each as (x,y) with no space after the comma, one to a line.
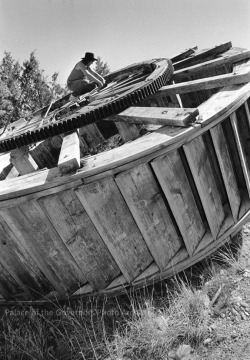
(42,242)
(81,238)
(127,132)
(146,203)
(223,103)
(203,56)
(8,286)
(183,55)
(5,165)
(112,218)
(240,75)
(23,161)
(43,155)
(91,135)
(69,159)
(226,167)
(234,122)
(175,185)
(225,59)
(20,264)
(200,166)
(157,116)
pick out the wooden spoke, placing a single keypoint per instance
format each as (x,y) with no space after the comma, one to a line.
(157,115)
(69,159)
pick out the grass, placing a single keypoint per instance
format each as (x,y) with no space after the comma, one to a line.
(144,325)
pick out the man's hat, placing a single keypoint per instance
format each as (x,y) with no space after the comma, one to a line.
(89,56)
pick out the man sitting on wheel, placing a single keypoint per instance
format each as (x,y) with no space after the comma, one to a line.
(83,79)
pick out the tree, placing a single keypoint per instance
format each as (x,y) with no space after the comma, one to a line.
(24,89)
(101,67)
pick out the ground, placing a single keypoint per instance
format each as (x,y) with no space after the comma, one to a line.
(230,328)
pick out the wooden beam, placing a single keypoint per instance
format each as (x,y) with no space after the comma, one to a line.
(128,132)
(183,55)
(240,75)
(202,56)
(157,116)
(211,64)
(23,161)
(69,159)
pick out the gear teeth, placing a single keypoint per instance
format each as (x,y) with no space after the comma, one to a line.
(140,92)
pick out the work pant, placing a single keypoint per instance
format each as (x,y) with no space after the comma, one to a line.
(80,87)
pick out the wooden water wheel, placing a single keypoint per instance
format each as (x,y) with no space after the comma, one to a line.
(174,191)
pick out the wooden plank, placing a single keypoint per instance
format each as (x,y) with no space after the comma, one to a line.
(145,201)
(81,238)
(226,167)
(203,56)
(23,161)
(245,168)
(174,182)
(200,166)
(157,116)
(223,103)
(225,59)
(183,55)
(178,258)
(8,286)
(69,159)
(247,112)
(42,242)
(91,135)
(240,75)
(20,264)
(244,131)
(43,156)
(5,165)
(108,211)
(128,132)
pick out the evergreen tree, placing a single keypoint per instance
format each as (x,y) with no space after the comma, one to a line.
(24,89)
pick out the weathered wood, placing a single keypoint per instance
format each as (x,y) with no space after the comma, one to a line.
(225,59)
(81,238)
(157,116)
(105,205)
(183,55)
(175,185)
(42,155)
(226,167)
(203,56)
(240,75)
(145,201)
(150,271)
(42,242)
(127,132)
(200,166)
(234,122)
(8,286)
(223,103)
(23,161)
(178,258)
(244,131)
(20,264)
(69,159)
(91,135)
(5,165)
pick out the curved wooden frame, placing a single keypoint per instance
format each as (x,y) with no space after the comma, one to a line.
(132,215)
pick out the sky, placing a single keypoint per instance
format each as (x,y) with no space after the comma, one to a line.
(121,32)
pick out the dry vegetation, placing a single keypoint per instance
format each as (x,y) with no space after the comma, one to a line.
(188,317)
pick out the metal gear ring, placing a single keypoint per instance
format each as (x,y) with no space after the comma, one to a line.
(124,88)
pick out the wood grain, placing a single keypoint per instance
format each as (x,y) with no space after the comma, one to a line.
(145,201)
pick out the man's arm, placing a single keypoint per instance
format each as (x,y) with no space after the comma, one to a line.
(90,74)
(98,76)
